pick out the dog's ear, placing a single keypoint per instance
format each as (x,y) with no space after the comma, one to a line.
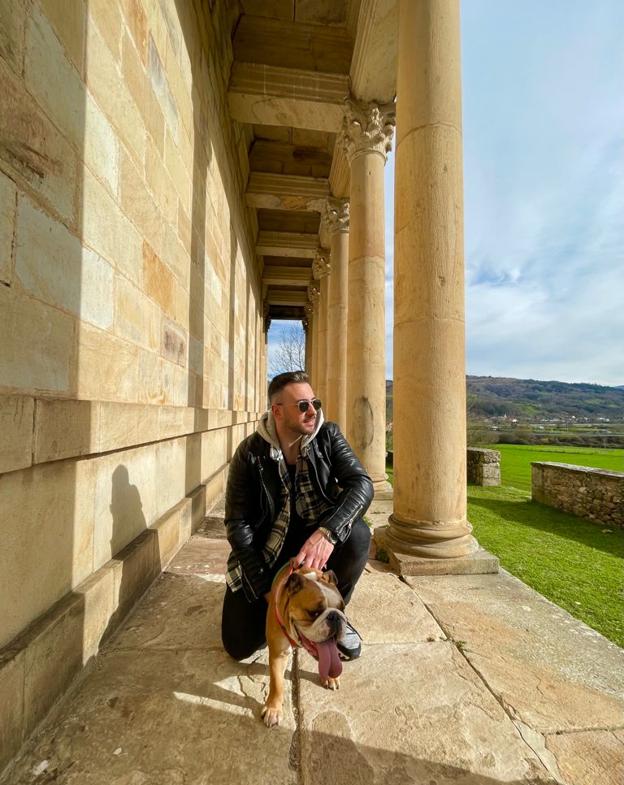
(330,577)
(294,583)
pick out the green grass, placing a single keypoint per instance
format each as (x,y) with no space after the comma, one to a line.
(516,460)
(576,564)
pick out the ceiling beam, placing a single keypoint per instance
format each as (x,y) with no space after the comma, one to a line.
(291,244)
(272,95)
(287,192)
(287,297)
(277,275)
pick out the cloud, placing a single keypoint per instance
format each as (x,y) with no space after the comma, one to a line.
(544,189)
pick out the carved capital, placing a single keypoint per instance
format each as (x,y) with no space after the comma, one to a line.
(320,265)
(314,295)
(337,215)
(367,127)
(309,310)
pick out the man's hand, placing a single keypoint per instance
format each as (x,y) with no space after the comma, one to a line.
(314,552)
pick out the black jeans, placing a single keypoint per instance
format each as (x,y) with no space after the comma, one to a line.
(243,622)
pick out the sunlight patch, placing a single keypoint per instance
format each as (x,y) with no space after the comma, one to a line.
(200,700)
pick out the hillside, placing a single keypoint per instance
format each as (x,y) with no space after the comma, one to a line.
(530,399)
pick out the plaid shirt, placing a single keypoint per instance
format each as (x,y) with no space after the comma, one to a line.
(308,503)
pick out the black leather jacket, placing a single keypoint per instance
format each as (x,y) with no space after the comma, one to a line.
(253,496)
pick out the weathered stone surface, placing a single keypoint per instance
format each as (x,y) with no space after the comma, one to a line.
(483,466)
(16,427)
(137,318)
(68,20)
(52,79)
(596,494)
(12,702)
(165,718)
(65,429)
(481,561)
(180,612)
(56,521)
(386,610)
(572,677)
(53,658)
(8,201)
(589,758)
(52,265)
(201,556)
(12,22)
(409,714)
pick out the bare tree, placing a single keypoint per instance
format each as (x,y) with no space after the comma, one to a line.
(289,354)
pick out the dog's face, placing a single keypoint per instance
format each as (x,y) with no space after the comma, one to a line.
(313,604)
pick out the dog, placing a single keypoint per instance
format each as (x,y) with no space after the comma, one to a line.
(305,609)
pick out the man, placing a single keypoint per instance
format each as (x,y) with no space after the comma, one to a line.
(295,491)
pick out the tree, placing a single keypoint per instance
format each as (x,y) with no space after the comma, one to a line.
(289,354)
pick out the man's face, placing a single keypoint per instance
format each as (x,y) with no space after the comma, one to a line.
(286,412)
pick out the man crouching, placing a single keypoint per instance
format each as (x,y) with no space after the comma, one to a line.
(295,491)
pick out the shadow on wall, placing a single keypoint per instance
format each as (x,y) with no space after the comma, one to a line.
(139,563)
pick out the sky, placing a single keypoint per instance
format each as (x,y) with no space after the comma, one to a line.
(543,129)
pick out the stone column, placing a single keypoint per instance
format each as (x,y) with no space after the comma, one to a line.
(337,219)
(320,270)
(313,297)
(367,137)
(307,329)
(429,518)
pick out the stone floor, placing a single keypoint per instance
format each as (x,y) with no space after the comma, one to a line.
(473,679)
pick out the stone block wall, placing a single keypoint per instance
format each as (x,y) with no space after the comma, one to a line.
(132,358)
(595,494)
(483,466)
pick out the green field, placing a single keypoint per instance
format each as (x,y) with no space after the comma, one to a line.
(577,564)
(516,460)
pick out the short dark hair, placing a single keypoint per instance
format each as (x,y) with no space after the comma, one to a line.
(282,379)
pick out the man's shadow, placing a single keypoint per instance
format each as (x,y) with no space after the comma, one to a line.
(138,562)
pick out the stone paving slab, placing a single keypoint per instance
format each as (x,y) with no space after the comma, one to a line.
(179,612)
(409,714)
(589,758)
(409,621)
(201,556)
(164,718)
(552,672)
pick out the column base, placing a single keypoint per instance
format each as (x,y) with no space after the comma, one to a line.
(383,490)
(478,562)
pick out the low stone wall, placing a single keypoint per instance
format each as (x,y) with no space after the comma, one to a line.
(483,466)
(596,494)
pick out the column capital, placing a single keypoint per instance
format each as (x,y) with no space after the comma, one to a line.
(336,215)
(309,311)
(314,295)
(320,265)
(367,127)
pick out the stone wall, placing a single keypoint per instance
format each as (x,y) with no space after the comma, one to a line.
(132,358)
(595,494)
(483,466)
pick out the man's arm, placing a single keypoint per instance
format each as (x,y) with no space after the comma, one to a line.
(237,521)
(353,501)
(356,486)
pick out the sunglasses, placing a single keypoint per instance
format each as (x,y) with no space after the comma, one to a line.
(304,404)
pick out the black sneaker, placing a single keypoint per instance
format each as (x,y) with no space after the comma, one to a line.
(350,645)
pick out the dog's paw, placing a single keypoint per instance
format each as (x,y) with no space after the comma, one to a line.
(271,716)
(331,684)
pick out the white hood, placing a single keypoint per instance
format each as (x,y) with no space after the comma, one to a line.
(266,429)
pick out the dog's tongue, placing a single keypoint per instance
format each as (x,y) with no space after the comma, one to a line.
(330,665)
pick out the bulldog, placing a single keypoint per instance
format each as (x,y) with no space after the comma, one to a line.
(305,609)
